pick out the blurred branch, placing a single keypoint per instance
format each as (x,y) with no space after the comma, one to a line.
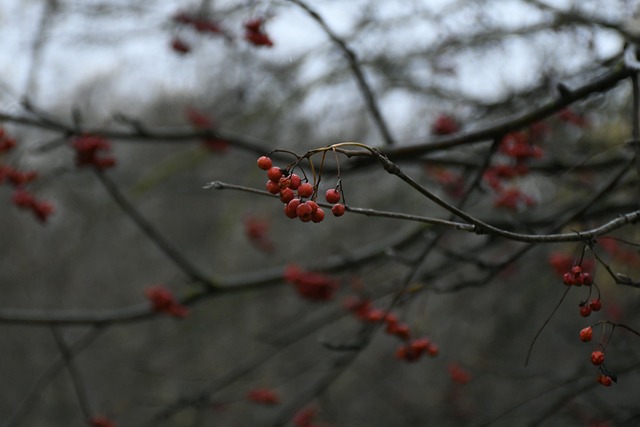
(369,97)
(74,373)
(45,378)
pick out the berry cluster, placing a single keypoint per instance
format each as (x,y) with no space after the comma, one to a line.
(22,198)
(6,141)
(516,150)
(195,21)
(410,350)
(91,150)
(162,300)
(200,24)
(25,200)
(310,285)
(577,277)
(254,33)
(293,192)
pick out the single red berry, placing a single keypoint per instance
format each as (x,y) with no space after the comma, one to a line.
(338,209)
(290,208)
(295,181)
(274,173)
(586,279)
(304,212)
(597,357)
(585,311)
(318,215)
(595,305)
(180,46)
(433,350)
(444,125)
(576,270)
(567,279)
(586,334)
(273,187)
(332,195)
(265,163)
(286,195)
(603,379)
(305,190)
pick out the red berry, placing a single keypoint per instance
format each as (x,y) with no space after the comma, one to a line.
(295,181)
(180,46)
(605,380)
(595,305)
(338,209)
(265,163)
(318,215)
(586,279)
(290,208)
(305,190)
(304,212)
(444,125)
(286,195)
(332,196)
(274,173)
(576,270)
(567,279)
(586,334)
(585,311)
(433,350)
(597,357)
(273,187)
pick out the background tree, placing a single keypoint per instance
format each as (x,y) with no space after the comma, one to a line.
(476,164)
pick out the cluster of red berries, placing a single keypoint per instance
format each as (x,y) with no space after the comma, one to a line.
(162,300)
(201,25)
(293,191)
(92,150)
(516,148)
(22,198)
(587,307)
(577,277)
(310,285)
(255,34)
(25,200)
(604,377)
(409,350)
(6,141)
